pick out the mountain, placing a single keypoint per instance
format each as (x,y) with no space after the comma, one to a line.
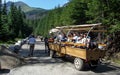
(31,12)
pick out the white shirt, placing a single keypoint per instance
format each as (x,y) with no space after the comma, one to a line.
(80,41)
(75,37)
(86,40)
(60,37)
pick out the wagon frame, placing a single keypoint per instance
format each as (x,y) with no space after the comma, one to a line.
(81,56)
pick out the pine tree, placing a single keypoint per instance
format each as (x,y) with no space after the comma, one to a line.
(4,22)
(14,17)
(20,22)
(0,13)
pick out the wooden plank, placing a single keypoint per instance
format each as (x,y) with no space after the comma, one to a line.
(85,30)
(80,26)
(95,54)
(76,52)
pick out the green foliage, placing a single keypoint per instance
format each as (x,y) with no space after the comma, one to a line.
(13,23)
(60,16)
(74,12)
(81,12)
(78,11)
(115,28)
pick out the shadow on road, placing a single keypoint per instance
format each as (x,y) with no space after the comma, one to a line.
(37,53)
(38,57)
(4,71)
(102,68)
(106,68)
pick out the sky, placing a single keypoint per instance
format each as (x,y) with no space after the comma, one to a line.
(45,4)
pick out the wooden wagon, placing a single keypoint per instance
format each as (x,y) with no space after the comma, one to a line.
(81,55)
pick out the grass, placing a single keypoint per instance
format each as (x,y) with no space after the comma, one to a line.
(116,60)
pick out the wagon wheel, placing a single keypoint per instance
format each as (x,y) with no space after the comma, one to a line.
(52,53)
(78,63)
(94,64)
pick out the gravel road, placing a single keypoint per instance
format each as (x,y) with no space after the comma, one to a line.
(42,64)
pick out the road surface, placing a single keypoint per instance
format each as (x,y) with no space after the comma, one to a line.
(42,64)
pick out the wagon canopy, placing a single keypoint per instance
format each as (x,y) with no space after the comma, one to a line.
(54,30)
(86,27)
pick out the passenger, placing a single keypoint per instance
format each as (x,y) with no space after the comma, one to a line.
(74,39)
(93,44)
(64,39)
(60,37)
(79,39)
(86,40)
(69,39)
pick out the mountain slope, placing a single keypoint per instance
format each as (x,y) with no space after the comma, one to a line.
(31,12)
